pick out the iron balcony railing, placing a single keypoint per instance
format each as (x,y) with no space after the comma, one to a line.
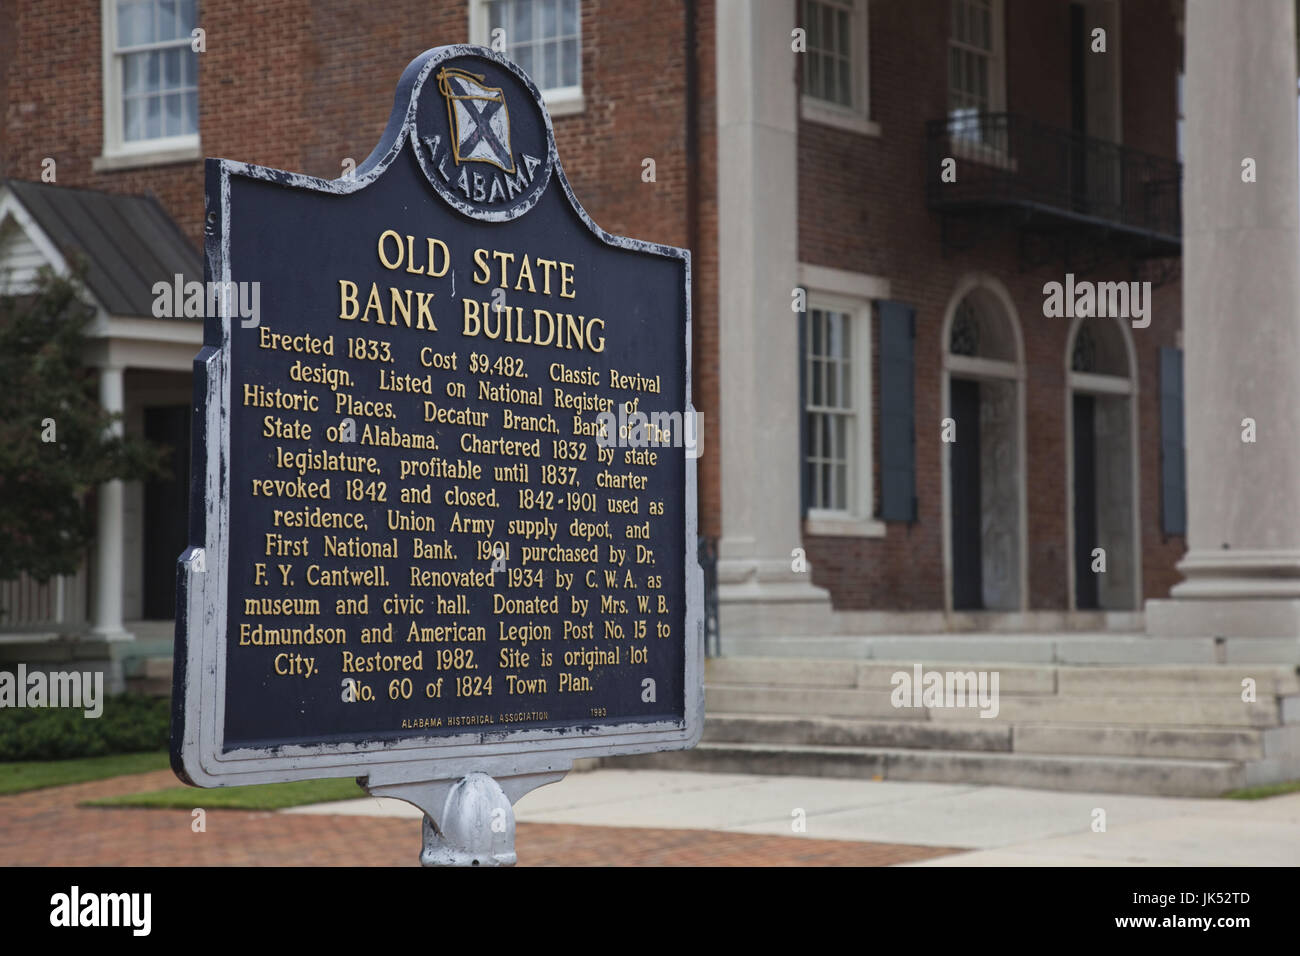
(1008,160)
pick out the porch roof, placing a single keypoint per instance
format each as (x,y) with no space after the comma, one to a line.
(128,243)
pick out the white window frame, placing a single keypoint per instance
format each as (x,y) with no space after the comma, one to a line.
(119,153)
(852,293)
(964,148)
(559,100)
(856,119)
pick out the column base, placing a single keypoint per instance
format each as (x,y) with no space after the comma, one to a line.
(1241,597)
(1224,617)
(768,599)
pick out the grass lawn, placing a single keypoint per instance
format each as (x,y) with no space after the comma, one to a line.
(1267,790)
(266,796)
(37,774)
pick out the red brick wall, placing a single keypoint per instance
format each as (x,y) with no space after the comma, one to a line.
(862,205)
(250,97)
(303,85)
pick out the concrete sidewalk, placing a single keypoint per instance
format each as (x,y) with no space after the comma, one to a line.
(1001,826)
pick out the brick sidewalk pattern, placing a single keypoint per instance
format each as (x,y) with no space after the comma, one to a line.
(47,827)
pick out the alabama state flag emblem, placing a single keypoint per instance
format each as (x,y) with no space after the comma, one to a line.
(479,119)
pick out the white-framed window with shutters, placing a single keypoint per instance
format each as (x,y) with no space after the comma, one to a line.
(831,409)
(151,87)
(544,37)
(835,76)
(836,402)
(976,72)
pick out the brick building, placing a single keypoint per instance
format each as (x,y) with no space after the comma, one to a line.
(800,151)
(1063,161)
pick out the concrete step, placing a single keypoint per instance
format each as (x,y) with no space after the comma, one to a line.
(1050,646)
(1196,743)
(1176,743)
(1071,680)
(1101,774)
(809,701)
(845,732)
(790,672)
(1225,681)
(1125,711)
(1136,710)
(874,675)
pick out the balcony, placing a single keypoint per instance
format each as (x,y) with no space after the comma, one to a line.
(1074,198)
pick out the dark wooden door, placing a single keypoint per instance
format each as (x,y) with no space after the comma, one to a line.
(1085,501)
(964,480)
(166,510)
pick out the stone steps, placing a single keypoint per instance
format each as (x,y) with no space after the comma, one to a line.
(1178,743)
(1090,681)
(1047,647)
(1201,710)
(1041,771)
(1157,729)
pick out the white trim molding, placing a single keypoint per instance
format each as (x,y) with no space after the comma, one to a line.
(12,209)
(152,157)
(857,285)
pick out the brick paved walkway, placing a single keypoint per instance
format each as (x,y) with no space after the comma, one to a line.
(47,827)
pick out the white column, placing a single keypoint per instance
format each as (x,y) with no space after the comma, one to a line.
(1241,320)
(108,539)
(759,593)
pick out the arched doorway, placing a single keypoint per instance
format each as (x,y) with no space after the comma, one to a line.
(983,451)
(1101,454)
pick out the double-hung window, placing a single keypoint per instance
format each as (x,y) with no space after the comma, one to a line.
(544,37)
(835,75)
(835,377)
(151,88)
(975,73)
(829,404)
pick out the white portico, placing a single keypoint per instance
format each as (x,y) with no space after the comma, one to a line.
(127,244)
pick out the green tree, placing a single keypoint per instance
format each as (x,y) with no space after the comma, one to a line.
(56,445)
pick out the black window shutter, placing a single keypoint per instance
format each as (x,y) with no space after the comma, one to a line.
(1173,464)
(897,412)
(803,412)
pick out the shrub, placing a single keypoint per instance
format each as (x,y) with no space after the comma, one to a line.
(130,723)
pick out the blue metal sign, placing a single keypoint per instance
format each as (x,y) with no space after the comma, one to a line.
(443,510)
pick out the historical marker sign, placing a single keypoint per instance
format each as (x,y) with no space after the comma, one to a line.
(443,519)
